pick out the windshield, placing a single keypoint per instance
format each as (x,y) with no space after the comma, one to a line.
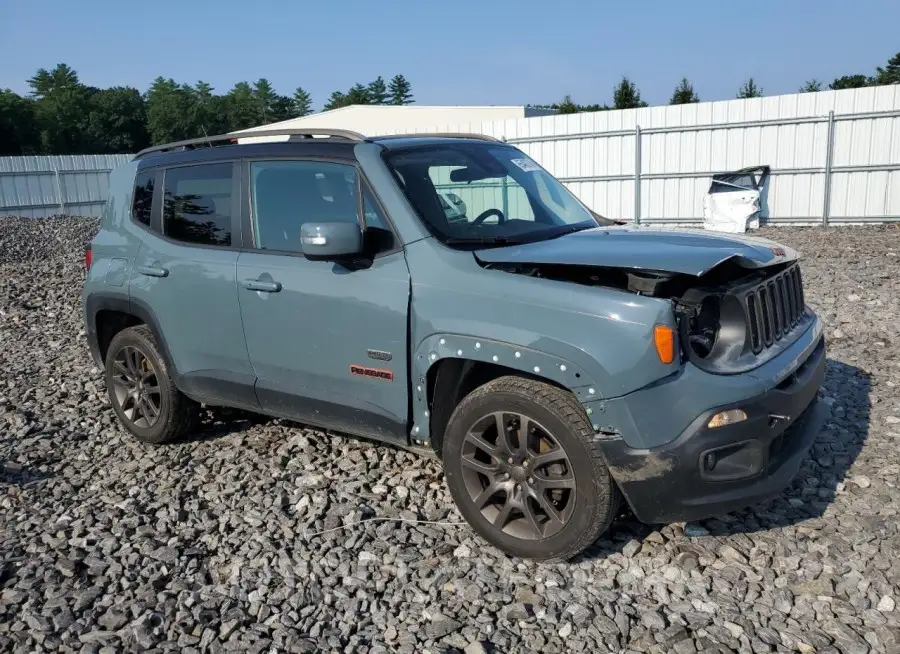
(483,194)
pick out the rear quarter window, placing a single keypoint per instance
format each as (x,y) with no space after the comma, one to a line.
(143,197)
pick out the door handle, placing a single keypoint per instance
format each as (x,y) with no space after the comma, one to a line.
(153,271)
(260,285)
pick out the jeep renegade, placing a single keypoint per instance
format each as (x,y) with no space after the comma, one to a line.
(446,294)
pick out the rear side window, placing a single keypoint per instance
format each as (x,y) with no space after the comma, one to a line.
(287,194)
(143,197)
(197,204)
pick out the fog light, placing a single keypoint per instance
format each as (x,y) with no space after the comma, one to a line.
(727,418)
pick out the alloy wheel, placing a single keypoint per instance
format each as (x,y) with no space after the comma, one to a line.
(136,387)
(518,476)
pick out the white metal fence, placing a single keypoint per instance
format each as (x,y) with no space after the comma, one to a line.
(834,155)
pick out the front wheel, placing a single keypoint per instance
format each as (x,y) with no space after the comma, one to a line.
(522,467)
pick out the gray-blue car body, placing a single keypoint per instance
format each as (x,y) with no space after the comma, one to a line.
(386,343)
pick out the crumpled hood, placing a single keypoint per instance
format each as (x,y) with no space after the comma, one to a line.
(691,252)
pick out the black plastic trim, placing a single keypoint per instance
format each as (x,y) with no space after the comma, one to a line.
(330,415)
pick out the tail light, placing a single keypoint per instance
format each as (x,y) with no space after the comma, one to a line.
(88,257)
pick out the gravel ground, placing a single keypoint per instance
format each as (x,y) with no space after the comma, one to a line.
(208,545)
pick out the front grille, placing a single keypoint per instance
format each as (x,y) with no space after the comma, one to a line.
(773,308)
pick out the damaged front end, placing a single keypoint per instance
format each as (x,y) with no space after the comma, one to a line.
(730,319)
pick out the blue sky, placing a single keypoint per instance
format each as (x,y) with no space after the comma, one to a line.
(459,52)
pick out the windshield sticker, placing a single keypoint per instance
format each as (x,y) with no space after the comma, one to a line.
(526,164)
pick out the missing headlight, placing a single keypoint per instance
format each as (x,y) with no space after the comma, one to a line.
(704,328)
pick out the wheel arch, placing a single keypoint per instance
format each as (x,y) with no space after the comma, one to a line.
(446,367)
(109,313)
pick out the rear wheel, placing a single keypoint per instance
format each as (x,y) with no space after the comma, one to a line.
(522,467)
(142,395)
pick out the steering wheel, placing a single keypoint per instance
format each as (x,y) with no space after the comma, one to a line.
(487,214)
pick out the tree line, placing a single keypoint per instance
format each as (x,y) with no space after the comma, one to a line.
(61,115)
(627,96)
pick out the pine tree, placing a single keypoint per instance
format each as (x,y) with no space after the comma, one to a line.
(336,100)
(684,93)
(358,94)
(567,106)
(890,74)
(627,96)
(400,90)
(302,102)
(811,86)
(377,91)
(242,107)
(749,90)
(265,99)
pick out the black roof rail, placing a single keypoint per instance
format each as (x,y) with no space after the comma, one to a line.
(234,136)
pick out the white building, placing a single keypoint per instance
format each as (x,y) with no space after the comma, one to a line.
(373,120)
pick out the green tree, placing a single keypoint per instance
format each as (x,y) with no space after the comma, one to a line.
(46,82)
(170,111)
(358,94)
(61,109)
(567,106)
(282,108)
(302,102)
(337,100)
(627,96)
(749,90)
(242,107)
(265,100)
(19,133)
(684,93)
(377,91)
(116,121)
(811,86)
(400,90)
(850,82)
(208,110)
(890,74)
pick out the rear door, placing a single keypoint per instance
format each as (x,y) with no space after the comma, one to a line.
(184,277)
(327,340)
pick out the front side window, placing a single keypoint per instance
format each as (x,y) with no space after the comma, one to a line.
(483,194)
(143,197)
(197,204)
(287,194)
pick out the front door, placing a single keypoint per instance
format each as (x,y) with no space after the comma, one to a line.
(328,341)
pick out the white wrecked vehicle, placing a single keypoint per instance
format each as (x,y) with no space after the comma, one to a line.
(733,202)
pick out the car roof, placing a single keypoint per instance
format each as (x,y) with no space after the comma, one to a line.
(333,142)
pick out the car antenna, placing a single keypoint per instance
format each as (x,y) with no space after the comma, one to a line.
(206,135)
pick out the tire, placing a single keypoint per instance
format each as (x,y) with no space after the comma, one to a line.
(176,413)
(562,506)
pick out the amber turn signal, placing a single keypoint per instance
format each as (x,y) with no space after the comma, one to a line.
(664,340)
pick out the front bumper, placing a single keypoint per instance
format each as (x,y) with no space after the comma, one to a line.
(706,472)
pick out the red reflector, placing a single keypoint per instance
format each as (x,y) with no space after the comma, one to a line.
(88,257)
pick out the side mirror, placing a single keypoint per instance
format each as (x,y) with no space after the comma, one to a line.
(330,240)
